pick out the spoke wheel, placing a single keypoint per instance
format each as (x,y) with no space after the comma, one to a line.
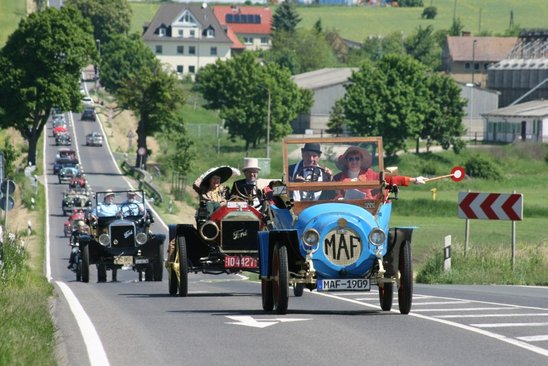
(84,263)
(183,266)
(172,278)
(386,295)
(280,281)
(405,290)
(266,294)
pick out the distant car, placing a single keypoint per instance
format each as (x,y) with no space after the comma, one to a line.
(66,173)
(58,120)
(59,129)
(88,101)
(88,115)
(63,139)
(94,139)
(76,200)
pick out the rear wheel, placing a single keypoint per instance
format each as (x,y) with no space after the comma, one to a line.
(182,261)
(84,263)
(298,289)
(101,273)
(386,295)
(114,275)
(405,290)
(266,294)
(78,265)
(280,281)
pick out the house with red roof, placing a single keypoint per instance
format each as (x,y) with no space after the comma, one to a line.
(248,26)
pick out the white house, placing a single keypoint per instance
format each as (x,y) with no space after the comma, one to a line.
(186,37)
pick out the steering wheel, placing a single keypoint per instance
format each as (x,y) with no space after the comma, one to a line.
(317,172)
(236,198)
(130,209)
(314,176)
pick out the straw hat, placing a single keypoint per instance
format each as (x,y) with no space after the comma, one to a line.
(365,157)
(109,193)
(224,172)
(251,163)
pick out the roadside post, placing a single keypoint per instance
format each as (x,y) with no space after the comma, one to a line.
(447,254)
(491,206)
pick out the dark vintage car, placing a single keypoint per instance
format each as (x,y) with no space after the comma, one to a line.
(65,157)
(122,241)
(63,139)
(67,173)
(73,199)
(223,241)
(339,239)
(94,139)
(88,114)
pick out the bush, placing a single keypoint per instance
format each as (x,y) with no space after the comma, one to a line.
(429,12)
(429,168)
(479,167)
(410,3)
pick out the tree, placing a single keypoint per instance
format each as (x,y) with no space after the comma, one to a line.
(337,120)
(285,18)
(132,74)
(179,154)
(387,99)
(429,12)
(240,88)
(422,46)
(108,17)
(456,28)
(375,47)
(41,64)
(443,121)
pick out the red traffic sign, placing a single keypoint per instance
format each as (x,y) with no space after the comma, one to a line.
(457,174)
(490,206)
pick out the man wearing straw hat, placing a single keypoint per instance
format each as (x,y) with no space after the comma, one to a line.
(107,208)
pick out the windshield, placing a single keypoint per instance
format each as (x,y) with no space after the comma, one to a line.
(347,170)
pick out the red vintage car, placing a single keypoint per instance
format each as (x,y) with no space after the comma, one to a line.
(73,220)
(59,129)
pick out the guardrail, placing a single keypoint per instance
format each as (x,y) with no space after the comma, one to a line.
(145,181)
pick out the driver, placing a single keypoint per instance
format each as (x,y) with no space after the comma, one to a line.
(107,208)
(308,169)
(132,207)
(247,188)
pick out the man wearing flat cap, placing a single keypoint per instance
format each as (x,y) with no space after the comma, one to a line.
(309,170)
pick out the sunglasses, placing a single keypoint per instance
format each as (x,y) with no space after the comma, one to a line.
(353,158)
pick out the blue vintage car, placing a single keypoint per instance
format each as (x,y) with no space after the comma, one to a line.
(330,225)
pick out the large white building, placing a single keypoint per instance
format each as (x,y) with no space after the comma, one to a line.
(186,37)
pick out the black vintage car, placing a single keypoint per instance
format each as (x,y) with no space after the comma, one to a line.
(63,139)
(76,200)
(122,240)
(88,114)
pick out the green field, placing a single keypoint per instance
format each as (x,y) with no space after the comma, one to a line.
(356,23)
(11,11)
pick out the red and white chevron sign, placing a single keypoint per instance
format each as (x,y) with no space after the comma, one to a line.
(490,206)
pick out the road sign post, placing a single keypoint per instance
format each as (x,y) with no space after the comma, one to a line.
(491,206)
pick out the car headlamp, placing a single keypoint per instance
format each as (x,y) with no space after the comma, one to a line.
(311,238)
(377,237)
(104,240)
(141,238)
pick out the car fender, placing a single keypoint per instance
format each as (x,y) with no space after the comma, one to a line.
(196,247)
(397,237)
(267,241)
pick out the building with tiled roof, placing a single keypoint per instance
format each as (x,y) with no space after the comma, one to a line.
(186,37)
(251,24)
(468,58)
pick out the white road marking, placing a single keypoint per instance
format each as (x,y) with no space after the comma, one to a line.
(489,315)
(249,321)
(503,325)
(537,338)
(459,309)
(441,302)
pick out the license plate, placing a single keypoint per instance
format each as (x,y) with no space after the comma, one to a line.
(241,261)
(141,260)
(124,260)
(347,284)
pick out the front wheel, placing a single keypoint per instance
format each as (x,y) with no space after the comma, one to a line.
(182,261)
(157,265)
(298,289)
(405,290)
(84,263)
(386,295)
(101,273)
(280,281)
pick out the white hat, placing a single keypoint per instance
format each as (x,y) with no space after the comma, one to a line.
(251,163)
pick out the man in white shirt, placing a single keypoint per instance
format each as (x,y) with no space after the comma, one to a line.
(132,207)
(107,208)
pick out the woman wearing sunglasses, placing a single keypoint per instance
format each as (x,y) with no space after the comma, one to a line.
(355,165)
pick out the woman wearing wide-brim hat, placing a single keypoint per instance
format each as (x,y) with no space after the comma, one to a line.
(209,185)
(355,165)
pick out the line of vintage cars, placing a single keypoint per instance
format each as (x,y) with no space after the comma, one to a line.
(342,242)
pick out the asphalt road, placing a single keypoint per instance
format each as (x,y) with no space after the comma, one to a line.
(221,322)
